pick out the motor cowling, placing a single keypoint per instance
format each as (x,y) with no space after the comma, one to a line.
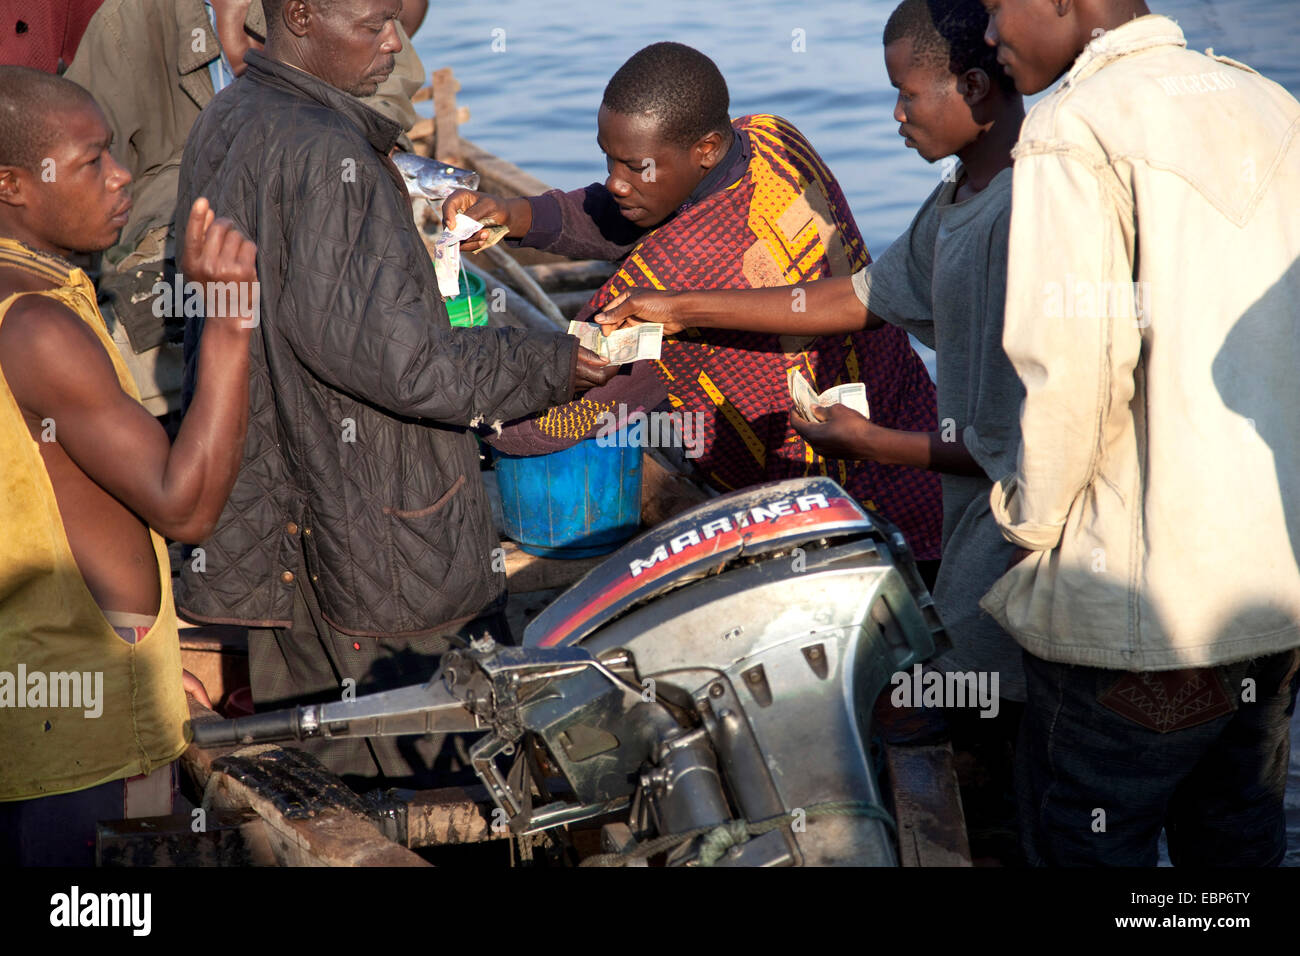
(766,622)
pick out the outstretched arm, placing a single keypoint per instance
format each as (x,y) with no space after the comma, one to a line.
(373,331)
(580,224)
(57,369)
(821,307)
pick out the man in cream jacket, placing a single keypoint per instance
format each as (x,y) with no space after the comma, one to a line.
(1152,315)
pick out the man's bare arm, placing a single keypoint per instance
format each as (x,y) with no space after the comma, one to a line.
(821,307)
(58,370)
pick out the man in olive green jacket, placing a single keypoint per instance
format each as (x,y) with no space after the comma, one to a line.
(152,65)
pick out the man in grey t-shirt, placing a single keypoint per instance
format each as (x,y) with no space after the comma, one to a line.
(944,281)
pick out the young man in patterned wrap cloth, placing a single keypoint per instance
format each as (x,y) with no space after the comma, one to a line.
(696,201)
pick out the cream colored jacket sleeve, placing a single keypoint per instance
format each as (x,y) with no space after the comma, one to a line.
(1071,331)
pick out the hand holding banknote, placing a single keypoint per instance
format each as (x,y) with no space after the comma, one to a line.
(619,348)
(446,251)
(837,431)
(852,394)
(835,423)
(591,370)
(446,255)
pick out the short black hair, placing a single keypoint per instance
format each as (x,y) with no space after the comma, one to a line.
(680,86)
(28,101)
(948,35)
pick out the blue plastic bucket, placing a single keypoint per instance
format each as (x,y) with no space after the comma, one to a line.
(577,503)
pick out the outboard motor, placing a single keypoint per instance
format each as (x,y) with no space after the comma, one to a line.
(714,678)
(772,618)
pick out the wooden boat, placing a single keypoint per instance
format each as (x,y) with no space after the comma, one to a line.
(256,812)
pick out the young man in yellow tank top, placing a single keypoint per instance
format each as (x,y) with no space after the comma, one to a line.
(91,689)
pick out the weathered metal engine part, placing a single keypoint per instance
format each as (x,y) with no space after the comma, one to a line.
(596,729)
(774,617)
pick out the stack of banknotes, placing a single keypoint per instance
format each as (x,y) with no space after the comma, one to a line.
(852,395)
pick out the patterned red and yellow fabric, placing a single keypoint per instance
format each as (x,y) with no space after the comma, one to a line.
(785,220)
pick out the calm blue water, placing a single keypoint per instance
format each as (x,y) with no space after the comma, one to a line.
(535,103)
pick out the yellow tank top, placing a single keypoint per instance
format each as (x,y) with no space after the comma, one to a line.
(79,706)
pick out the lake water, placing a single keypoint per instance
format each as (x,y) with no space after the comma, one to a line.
(535,102)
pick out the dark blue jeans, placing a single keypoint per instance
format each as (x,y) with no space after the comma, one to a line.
(60,830)
(1095,787)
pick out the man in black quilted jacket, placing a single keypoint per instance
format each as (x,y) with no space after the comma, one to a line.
(357,540)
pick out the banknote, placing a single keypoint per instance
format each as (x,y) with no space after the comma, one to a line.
(626,345)
(853,395)
(446,254)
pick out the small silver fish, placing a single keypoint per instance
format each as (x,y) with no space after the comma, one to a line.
(429,179)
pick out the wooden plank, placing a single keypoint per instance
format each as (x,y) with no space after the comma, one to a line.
(451,815)
(518,312)
(499,176)
(927,806)
(571,303)
(227,838)
(528,572)
(567,276)
(330,834)
(446,118)
(326,833)
(422,131)
(525,284)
